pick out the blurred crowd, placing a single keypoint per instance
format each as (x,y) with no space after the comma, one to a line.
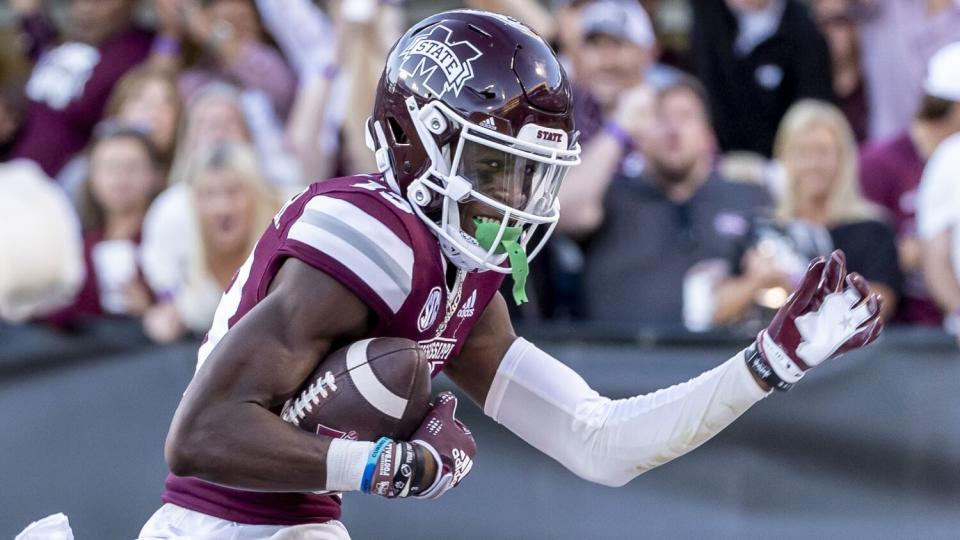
(146,144)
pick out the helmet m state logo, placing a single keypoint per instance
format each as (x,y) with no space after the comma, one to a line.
(433,52)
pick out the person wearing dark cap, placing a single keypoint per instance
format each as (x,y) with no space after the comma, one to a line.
(890,172)
(756,58)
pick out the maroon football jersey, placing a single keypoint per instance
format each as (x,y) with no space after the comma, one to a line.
(368,238)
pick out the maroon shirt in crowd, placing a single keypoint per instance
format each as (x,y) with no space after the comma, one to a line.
(68,91)
(890,173)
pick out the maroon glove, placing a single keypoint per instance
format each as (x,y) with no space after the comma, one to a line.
(830,313)
(450,442)
(396,468)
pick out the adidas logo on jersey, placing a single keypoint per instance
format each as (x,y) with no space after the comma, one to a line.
(489,123)
(468,307)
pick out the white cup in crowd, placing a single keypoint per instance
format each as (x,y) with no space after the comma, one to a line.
(115,264)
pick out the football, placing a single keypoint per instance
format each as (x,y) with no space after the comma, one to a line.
(369,389)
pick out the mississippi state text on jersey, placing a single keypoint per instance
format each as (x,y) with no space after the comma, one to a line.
(367,237)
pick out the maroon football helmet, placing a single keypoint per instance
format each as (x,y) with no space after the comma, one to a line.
(474,107)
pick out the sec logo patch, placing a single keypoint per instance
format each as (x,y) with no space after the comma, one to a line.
(428,314)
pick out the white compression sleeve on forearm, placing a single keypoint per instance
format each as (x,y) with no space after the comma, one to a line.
(607,441)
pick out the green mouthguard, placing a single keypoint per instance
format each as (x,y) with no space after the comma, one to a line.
(509,244)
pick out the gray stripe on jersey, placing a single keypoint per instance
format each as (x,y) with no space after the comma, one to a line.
(362,243)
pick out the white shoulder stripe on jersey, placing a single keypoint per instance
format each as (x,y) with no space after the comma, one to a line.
(369,385)
(357,240)
(367,225)
(362,242)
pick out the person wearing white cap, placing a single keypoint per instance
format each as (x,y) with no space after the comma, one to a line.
(612,104)
(890,174)
(938,200)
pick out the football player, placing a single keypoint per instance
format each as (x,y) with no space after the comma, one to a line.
(473,133)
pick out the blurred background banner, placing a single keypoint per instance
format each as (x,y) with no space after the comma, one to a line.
(874,454)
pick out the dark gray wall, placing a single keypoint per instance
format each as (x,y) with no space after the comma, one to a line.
(868,447)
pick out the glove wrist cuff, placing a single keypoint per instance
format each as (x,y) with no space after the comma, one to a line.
(778,359)
(762,369)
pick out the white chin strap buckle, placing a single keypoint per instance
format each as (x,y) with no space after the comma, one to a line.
(458,188)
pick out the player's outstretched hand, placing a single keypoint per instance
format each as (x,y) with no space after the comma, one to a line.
(831,312)
(450,442)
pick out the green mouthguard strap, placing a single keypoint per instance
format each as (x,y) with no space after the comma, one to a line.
(509,244)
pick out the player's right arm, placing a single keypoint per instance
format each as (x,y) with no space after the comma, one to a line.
(225,430)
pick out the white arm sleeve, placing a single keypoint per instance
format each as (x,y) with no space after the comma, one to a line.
(606,441)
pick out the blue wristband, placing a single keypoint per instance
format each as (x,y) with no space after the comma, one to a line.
(372,463)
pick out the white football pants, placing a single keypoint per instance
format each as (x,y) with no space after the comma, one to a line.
(173,522)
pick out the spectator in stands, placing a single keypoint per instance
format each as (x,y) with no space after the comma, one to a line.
(529,12)
(614,56)
(897,39)
(327,127)
(70,83)
(611,54)
(124,177)
(40,244)
(839,29)
(890,172)
(938,224)
(145,99)
(232,204)
(756,58)
(367,38)
(234,45)
(568,36)
(818,153)
(234,48)
(312,41)
(213,116)
(148,99)
(649,230)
